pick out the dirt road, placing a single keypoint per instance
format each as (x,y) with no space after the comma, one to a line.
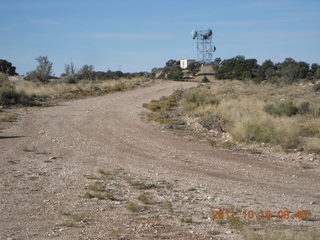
(51,155)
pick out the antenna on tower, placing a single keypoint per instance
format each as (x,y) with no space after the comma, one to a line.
(204,45)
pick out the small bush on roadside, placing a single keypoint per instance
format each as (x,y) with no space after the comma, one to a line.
(229,145)
(267,132)
(304,108)
(312,145)
(140,184)
(43,72)
(260,132)
(309,131)
(236,223)
(316,87)
(289,143)
(145,198)
(161,109)
(9,95)
(205,79)
(186,220)
(165,103)
(195,97)
(153,106)
(9,118)
(285,108)
(133,207)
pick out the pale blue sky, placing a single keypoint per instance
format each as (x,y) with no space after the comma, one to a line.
(142,34)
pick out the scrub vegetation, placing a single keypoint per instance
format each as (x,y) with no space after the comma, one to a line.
(288,116)
(39,87)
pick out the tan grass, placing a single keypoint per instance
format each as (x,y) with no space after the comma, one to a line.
(82,88)
(9,118)
(240,106)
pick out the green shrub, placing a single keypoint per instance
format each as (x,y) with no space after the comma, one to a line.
(189,106)
(236,223)
(7,68)
(304,108)
(133,207)
(145,198)
(317,73)
(263,132)
(285,108)
(316,87)
(43,71)
(229,145)
(309,131)
(8,94)
(205,79)
(289,143)
(187,220)
(316,111)
(175,75)
(153,106)
(165,103)
(198,97)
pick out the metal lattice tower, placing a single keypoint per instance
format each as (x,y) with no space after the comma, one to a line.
(204,45)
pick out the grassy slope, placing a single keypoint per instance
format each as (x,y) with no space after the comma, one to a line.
(287,116)
(242,108)
(31,93)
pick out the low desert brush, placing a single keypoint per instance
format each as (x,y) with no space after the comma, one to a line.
(284,116)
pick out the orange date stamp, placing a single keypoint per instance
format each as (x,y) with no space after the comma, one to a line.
(263,214)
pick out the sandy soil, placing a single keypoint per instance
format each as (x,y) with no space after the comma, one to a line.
(51,156)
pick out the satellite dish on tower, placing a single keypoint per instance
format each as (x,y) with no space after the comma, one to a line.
(194,34)
(207,34)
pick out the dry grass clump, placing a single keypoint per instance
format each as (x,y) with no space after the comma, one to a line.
(197,97)
(288,116)
(133,207)
(10,96)
(161,108)
(236,223)
(81,89)
(97,190)
(229,145)
(146,199)
(316,87)
(141,184)
(9,118)
(186,220)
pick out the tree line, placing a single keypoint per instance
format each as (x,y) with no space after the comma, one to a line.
(238,67)
(288,71)
(43,72)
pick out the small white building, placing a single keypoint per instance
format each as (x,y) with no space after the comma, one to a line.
(184,63)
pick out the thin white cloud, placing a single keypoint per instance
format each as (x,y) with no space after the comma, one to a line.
(130,36)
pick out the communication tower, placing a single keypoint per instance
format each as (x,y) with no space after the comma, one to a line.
(204,45)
